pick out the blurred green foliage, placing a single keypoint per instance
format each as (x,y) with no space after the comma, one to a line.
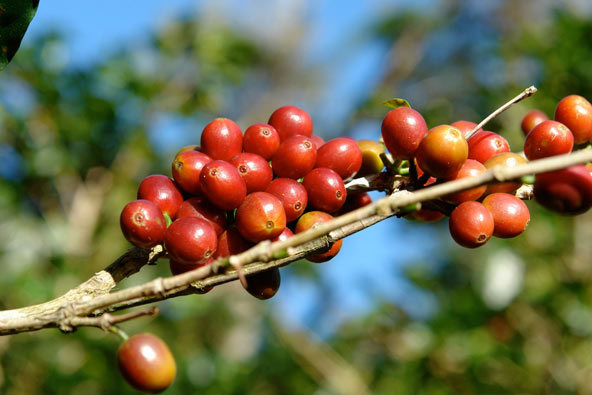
(512,317)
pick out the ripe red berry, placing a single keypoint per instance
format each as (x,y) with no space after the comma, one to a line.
(186,168)
(341,154)
(442,152)
(566,191)
(575,112)
(325,189)
(264,285)
(465,127)
(142,223)
(222,184)
(402,131)
(470,168)
(161,191)
(221,139)
(286,234)
(295,157)
(354,201)
(261,139)
(531,119)
(510,214)
(290,121)
(260,217)
(193,147)
(254,169)
(231,243)
(191,240)
(200,207)
(471,224)
(484,145)
(317,140)
(548,138)
(180,268)
(309,220)
(146,363)
(507,159)
(292,194)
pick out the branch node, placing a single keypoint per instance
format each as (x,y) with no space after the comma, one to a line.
(65,314)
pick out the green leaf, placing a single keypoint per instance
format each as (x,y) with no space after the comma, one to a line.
(396,103)
(15,16)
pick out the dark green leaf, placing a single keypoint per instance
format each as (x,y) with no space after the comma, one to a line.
(15,16)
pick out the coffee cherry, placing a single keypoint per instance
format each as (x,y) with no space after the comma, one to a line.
(402,131)
(371,160)
(325,189)
(261,139)
(254,169)
(142,223)
(193,147)
(507,159)
(566,191)
(465,127)
(442,152)
(190,240)
(186,168)
(342,155)
(231,243)
(295,157)
(531,119)
(575,112)
(264,285)
(161,191)
(311,219)
(548,138)
(471,224)
(317,140)
(510,214)
(290,121)
(484,145)
(222,184)
(425,215)
(221,139)
(292,194)
(200,207)
(180,268)
(285,235)
(470,168)
(354,201)
(260,217)
(146,363)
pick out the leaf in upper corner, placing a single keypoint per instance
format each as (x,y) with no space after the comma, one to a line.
(15,16)
(396,103)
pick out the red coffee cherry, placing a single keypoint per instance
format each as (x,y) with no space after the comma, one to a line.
(295,157)
(531,119)
(471,224)
(222,184)
(231,243)
(161,191)
(180,268)
(186,168)
(402,131)
(510,214)
(221,139)
(484,145)
(575,112)
(354,201)
(566,191)
(146,363)
(325,189)
(548,138)
(465,127)
(341,154)
(471,168)
(371,160)
(309,220)
(442,152)
(254,169)
(142,223)
(200,207)
(260,217)
(292,194)
(425,215)
(261,139)
(508,159)
(286,234)
(317,140)
(264,285)
(190,240)
(290,121)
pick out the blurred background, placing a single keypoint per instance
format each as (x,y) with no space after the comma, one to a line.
(102,94)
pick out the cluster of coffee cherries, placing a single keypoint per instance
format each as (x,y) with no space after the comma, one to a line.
(451,152)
